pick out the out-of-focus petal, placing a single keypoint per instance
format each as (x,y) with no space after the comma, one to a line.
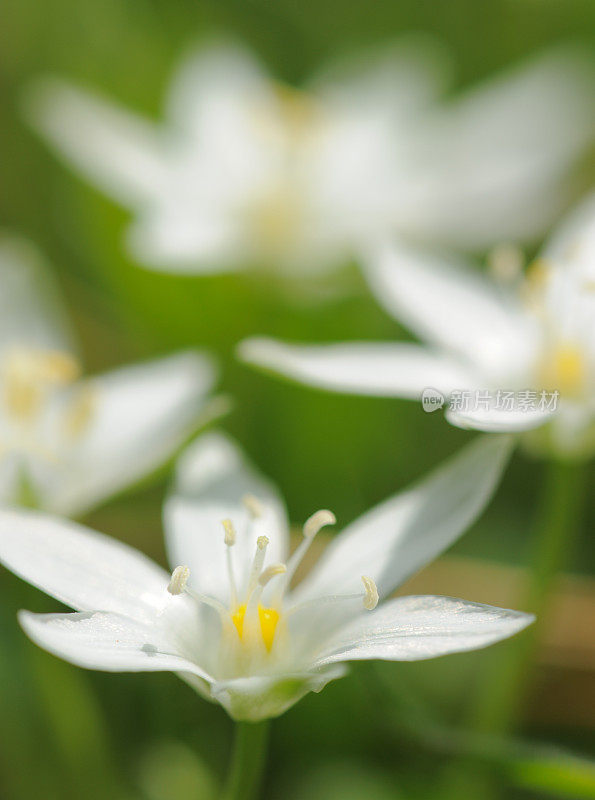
(186,238)
(369,368)
(81,568)
(138,416)
(497,420)
(31,312)
(119,151)
(491,164)
(212,479)
(399,536)
(416,628)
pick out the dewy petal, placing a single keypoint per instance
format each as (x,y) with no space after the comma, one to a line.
(119,151)
(107,641)
(260,697)
(449,304)
(212,478)
(495,420)
(83,569)
(139,416)
(403,533)
(31,312)
(369,368)
(416,628)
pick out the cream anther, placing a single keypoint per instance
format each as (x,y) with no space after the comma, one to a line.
(317,521)
(230,532)
(371,595)
(179,579)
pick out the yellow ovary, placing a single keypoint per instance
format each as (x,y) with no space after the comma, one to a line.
(268,618)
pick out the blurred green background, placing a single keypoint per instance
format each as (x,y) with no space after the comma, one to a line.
(386,731)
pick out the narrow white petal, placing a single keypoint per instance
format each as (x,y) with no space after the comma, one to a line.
(81,568)
(499,421)
(416,628)
(403,533)
(212,480)
(449,304)
(369,368)
(140,415)
(120,152)
(31,312)
(108,642)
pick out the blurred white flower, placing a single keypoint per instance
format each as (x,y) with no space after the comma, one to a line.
(67,442)
(227,620)
(529,335)
(247,172)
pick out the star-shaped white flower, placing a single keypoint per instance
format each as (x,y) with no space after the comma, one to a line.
(531,337)
(67,442)
(228,619)
(247,172)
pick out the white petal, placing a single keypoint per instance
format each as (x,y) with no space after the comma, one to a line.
(81,568)
(403,533)
(499,421)
(217,96)
(31,312)
(140,415)
(119,151)
(212,477)
(369,368)
(107,642)
(190,237)
(416,628)
(490,165)
(449,304)
(397,80)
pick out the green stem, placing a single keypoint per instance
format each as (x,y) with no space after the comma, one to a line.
(558,525)
(247,761)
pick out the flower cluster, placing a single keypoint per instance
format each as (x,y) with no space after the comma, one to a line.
(363,162)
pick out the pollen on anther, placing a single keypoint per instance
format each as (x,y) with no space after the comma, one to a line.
(371,593)
(253,505)
(317,521)
(230,532)
(179,579)
(262,542)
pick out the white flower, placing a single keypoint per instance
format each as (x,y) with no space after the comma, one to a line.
(531,337)
(246,172)
(68,442)
(227,619)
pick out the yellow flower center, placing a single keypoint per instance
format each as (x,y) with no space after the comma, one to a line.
(29,374)
(268,619)
(565,370)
